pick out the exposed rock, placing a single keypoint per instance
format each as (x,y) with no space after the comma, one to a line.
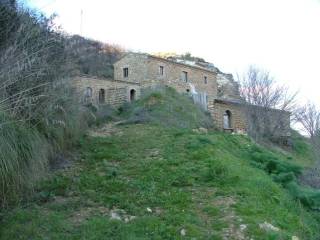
(121,215)
(243,227)
(183,232)
(115,215)
(268,226)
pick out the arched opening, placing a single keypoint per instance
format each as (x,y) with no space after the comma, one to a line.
(102,96)
(87,94)
(132,95)
(227,120)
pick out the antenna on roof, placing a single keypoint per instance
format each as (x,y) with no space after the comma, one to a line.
(81,16)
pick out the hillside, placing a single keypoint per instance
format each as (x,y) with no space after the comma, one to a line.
(158,170)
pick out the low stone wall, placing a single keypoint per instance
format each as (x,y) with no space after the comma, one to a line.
(115,93)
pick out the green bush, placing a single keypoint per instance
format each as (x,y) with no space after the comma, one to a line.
(270,163)
(307,196)
(284,178)
(166,107)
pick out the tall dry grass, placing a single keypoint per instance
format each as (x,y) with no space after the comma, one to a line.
(39,114)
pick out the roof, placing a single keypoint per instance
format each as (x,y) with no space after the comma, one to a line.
(171,61)
(241,102)
(229,101)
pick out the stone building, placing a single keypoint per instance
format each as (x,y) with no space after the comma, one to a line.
(215,91)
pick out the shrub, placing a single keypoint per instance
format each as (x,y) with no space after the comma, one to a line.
(23,159)
(270,163)
(217,172)
(164,106)
(307,196)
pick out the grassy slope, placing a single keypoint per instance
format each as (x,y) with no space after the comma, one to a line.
(203,183)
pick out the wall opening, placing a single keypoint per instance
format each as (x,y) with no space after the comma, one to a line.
(87,94)
(102,96)
(227,120)
(132,95)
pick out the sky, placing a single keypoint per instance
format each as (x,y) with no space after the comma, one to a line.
(281,36)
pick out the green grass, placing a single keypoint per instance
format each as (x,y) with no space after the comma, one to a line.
(204,184)
(186,178)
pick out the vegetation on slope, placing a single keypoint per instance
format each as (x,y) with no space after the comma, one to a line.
(167,108)
(40,116)
(158,180)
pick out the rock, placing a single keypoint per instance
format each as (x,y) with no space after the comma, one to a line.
(129,218)
(203,130)
(294,238)
(115,215)
(121,215)
(243,227)
(268,226)
(183,232)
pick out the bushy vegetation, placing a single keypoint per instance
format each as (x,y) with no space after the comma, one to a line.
(166,107)
(39,114)
(92,57)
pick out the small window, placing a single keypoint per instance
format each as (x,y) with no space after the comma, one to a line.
(125,72)
(205,80)
(161,70)
(102,96)
(184,76)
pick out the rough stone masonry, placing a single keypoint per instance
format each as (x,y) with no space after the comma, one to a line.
(134,72)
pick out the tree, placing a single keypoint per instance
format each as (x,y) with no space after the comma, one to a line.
(309,117)
(268,104)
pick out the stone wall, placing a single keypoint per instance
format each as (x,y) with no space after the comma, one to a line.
(145,70)
(173,76)
(238,119)
(137,68)
(115,92)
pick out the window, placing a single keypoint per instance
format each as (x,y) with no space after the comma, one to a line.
(102,95)
(205,80)
(161,70)
(227,120)
(184,76)
(125,72)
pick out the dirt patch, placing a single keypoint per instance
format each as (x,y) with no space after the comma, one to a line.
(86,213)
(106,130)
(235,229)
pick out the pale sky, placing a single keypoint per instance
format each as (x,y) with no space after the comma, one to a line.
(282,36)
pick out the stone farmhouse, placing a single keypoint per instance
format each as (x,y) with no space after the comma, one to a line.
(215,91)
